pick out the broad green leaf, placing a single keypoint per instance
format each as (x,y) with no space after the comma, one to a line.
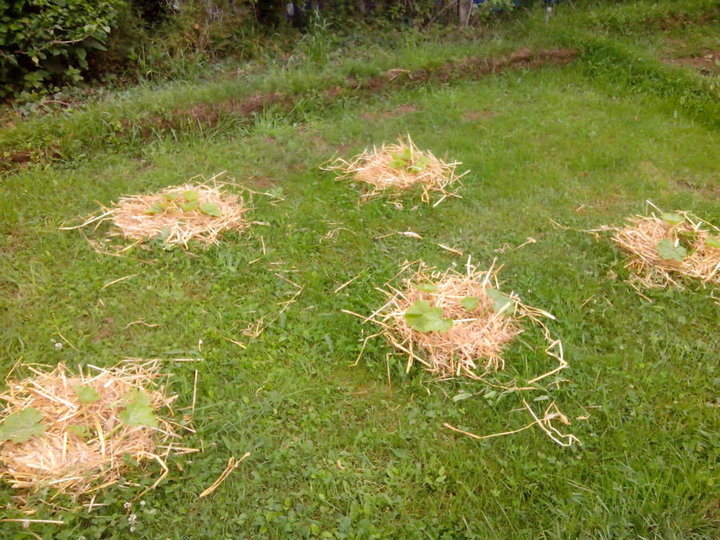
(138,411)
(139,398)
(427,287)
(713,242)
(419,164)
(189,206)
(398,163)
(86,394)
(171,196)
(210,209)
(156,208)
(420,316)
(402,159)
(469,302)
(672,218)
(81,431)
(21,426)
(191,195)
(668,251)
(422,161)
(405,156)
(501,302)
(461,396)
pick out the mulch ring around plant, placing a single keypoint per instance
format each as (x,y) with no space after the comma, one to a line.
(665,247)
(397,168)
(458,325)
(197,211)
(78,432)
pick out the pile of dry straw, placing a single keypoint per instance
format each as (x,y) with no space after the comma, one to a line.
(484,322)
(698,243)
(146,217)
(399,167)
(84,444)
(477,337)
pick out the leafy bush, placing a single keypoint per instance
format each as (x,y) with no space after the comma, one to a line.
(44,41)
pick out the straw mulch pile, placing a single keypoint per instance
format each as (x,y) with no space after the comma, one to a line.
(399,167)
(87,426)
(484,321)
(663,247)
(137,217)
(198,211)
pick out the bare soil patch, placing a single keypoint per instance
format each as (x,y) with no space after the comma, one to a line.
(707,63)
(473,116)
(388,114)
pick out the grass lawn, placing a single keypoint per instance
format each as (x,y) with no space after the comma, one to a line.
(343,451)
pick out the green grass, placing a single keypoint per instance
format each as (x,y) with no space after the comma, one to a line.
(117,122)
(360,452)
(127,120)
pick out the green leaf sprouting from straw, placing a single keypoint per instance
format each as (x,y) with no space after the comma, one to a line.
(210,209)
(191,195)
(672,218)
(86,394)
(669,251)
(138,411)
(424,318)
(502,303)
(21,426)
(713,242)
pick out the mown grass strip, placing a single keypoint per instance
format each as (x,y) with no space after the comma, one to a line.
(68,144)
(618,64)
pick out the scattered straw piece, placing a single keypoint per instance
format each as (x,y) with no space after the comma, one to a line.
(545,423)
(84,444)
(399,167)
(693,245)
(231,466)
(118,280)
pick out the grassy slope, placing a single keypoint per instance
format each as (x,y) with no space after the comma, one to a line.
(338,449)
(131,119)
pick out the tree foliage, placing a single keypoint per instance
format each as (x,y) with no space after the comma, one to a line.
(42,41)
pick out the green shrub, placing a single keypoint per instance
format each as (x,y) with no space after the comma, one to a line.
(47,41)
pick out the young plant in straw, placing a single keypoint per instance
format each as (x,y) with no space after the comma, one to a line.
(176,215)
(456,323)
(459,324)
(75,432)
(399,167)
(666,246)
